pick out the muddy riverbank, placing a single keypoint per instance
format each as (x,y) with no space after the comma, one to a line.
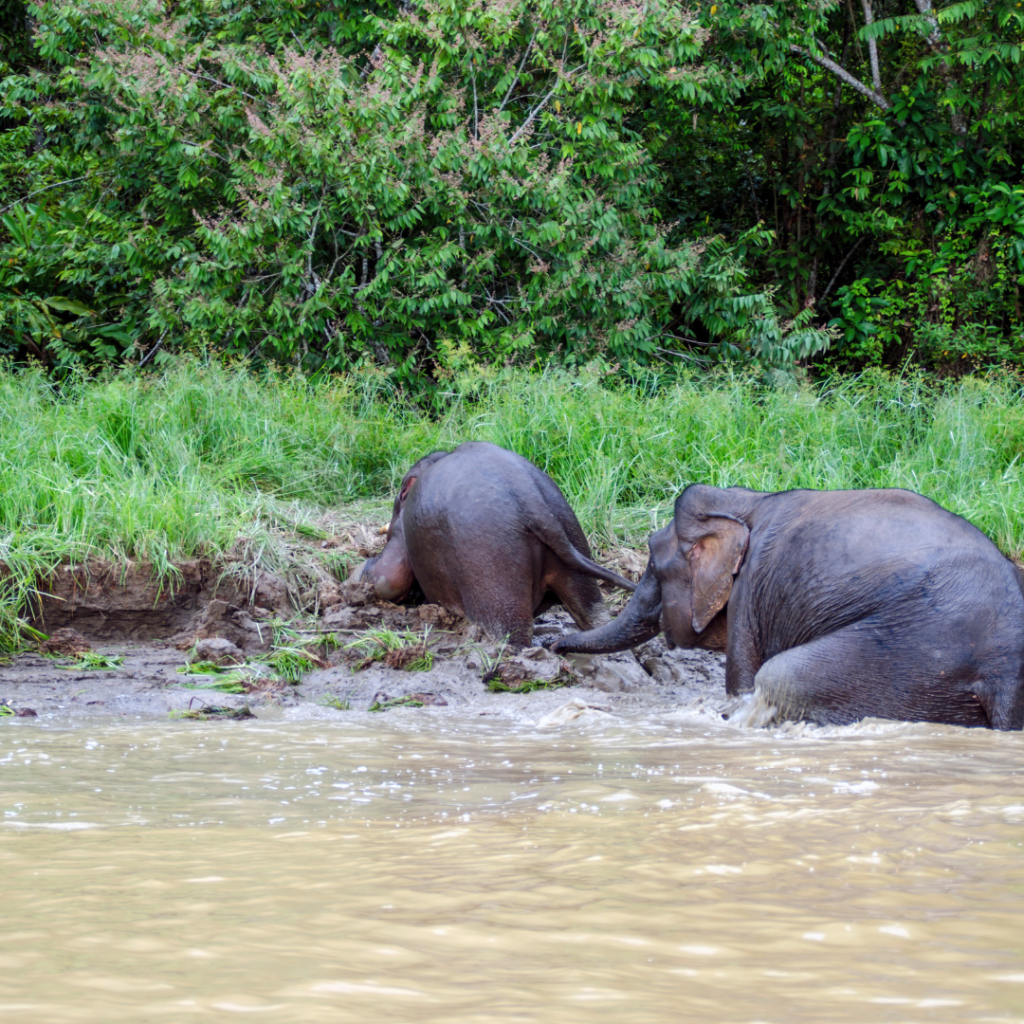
(149,680)
(223,644)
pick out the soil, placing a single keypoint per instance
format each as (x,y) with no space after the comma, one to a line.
(118,645)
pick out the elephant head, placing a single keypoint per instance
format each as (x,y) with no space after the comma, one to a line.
(687,582)
(391,572)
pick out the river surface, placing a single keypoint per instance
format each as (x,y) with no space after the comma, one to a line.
(424,867)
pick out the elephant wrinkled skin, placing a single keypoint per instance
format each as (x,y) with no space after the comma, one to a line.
(836,605)
(489,535)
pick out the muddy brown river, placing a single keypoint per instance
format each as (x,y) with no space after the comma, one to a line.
(427,867)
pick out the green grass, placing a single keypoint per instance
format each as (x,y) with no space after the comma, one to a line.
(293,654)
(86,660)
(291,662)
(530,685)
(337,703)
(400,650)
(408,701)
(205,668)
(227,686)
(234,682)
(95,660)
(208,460)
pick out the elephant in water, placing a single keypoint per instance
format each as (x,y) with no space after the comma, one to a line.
(836,605)
(489,535)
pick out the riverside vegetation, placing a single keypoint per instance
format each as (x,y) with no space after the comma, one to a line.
(329,184)
(251,469)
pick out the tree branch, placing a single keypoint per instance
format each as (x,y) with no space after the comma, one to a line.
(925,8)
(56,184)
(225,85)
(476,109)
(537,109)
(153,351)
(956,117)
(843,75)
(876,76)
(677,355)
(522,64)
(312,238)
(839,270)
(374,57)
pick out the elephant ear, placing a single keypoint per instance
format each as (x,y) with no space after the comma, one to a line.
(714,560)
(399,504)
(408,482)
(419,467)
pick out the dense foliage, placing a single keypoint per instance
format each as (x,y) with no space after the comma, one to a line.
(432,183)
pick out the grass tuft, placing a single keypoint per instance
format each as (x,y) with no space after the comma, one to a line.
(408,701)
(236,682)
(94,660)
(337,703)
(404,650)
(204,668)
(496,685)
(211,712)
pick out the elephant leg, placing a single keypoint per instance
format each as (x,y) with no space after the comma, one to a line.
(793,686)
(509,617)
(581,598)
(848,675)
(1006,707)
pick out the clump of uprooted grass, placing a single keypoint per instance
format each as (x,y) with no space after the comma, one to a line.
(214,712)
(208,460)
(397,650)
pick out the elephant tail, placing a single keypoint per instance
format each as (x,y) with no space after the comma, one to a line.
(554,536)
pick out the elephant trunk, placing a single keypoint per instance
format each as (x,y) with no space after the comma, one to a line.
(390,572)
(639,621)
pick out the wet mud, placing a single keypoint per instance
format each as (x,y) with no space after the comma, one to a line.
(118,645)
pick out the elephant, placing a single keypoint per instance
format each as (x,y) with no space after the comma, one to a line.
(835,605)
(489,535)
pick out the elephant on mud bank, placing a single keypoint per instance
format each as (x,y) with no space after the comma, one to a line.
(836,605)
(489,535)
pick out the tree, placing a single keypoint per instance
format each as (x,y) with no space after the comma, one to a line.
(326,184)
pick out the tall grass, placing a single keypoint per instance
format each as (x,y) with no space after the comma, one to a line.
(163,468)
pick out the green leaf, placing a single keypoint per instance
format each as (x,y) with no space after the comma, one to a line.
(68,306)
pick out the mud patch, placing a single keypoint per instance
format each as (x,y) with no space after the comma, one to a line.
(383,702)
(6,711)
(150,682)
(220,621)
(105,602)
(534,668)
(350,654)
(66,642)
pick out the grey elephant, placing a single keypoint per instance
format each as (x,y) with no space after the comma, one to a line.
(836,605)
(489,535)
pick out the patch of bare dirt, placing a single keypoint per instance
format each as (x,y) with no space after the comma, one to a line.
(67,642)
(126,602)
(628,562)
(220,620)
